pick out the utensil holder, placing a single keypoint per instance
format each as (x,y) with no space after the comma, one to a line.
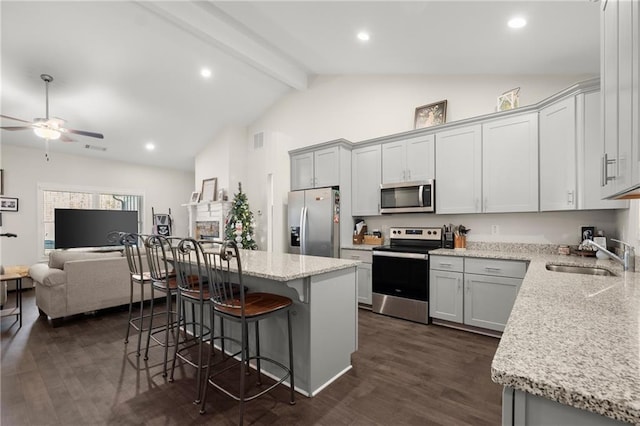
(460,242)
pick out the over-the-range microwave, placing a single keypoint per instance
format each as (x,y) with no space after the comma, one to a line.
(408,197)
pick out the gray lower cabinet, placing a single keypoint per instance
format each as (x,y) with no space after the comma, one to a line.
(488,300)
(363,272)
(445,288)
(524,409)
(473,291)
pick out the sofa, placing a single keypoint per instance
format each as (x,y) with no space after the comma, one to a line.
(76,282)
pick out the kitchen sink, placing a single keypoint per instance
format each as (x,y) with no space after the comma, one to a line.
(586,270)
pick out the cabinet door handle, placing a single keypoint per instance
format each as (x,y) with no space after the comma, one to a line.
(409,174)
(570,197)
(446,265)
(606,162)
(485,204)
(459,280)
(489,268)
(354,257)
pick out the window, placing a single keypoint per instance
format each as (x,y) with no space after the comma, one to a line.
(51,197)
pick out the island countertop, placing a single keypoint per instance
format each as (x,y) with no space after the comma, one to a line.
(287,267)
(572,338)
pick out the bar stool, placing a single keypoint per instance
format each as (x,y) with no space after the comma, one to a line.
(244,309)
(159,250)
(193,289)
(138,278)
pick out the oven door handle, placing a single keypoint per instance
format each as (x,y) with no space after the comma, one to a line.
(420,256)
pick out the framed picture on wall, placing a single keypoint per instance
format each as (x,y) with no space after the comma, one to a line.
(8,204)
(209,189)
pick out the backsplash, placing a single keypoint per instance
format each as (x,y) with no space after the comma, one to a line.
(514,247)
(546,228)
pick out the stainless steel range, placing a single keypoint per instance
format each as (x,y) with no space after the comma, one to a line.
(401,273)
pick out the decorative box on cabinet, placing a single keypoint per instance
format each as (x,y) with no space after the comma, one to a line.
(365,180)
(363,272)
(408,160)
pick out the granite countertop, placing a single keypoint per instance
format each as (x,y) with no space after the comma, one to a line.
(287,267)
(572,338)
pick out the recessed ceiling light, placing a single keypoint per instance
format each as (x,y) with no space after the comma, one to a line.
(517,22)
(363,36)
(205,72)
(150,146)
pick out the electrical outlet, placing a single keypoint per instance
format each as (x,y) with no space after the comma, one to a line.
(495,229)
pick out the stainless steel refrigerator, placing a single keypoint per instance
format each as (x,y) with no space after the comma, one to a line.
(314,222)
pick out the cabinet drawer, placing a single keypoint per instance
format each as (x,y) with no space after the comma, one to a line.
(361,255)
(498,268)
(446,263)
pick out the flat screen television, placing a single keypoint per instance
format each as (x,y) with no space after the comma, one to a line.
(89,228)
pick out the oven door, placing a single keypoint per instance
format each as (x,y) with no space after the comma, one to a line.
(403,275)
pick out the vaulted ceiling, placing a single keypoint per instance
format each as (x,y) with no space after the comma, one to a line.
(131,70)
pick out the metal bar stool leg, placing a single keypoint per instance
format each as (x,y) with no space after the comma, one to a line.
(146,351)
(293,401)
(179,305)
(126,338)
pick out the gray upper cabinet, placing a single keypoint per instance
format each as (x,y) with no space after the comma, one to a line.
(620,55)
(459,170)
(558,156)
(321,166)
(589,154)
(510,164)
(316,169)
(366,165)
(571,155)
(408,160)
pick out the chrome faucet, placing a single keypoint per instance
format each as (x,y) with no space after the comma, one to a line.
(628,259)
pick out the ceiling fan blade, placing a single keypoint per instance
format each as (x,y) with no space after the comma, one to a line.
(16,119)
(16,127)
(65,138)
(83,133)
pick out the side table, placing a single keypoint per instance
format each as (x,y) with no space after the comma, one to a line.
(14,273)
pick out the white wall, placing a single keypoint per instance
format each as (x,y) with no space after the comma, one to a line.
(25,168)
(357,108)
(220,159)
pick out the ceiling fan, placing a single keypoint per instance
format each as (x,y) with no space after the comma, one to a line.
(49,128)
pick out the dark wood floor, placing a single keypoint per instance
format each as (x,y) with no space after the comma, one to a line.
(82,374)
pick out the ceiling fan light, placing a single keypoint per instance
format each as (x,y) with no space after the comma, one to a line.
(46,133)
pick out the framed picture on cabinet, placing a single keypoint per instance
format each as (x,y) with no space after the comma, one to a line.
(195,196)
(209,189)
(431,115)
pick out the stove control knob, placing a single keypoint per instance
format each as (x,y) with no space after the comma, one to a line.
(428,232)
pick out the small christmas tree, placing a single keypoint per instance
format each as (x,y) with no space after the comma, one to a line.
(239,226)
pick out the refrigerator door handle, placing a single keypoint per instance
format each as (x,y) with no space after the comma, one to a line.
(303,230)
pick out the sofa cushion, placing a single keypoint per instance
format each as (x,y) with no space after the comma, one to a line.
(58,258)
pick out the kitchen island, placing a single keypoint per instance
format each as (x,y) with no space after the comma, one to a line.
(323,317)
